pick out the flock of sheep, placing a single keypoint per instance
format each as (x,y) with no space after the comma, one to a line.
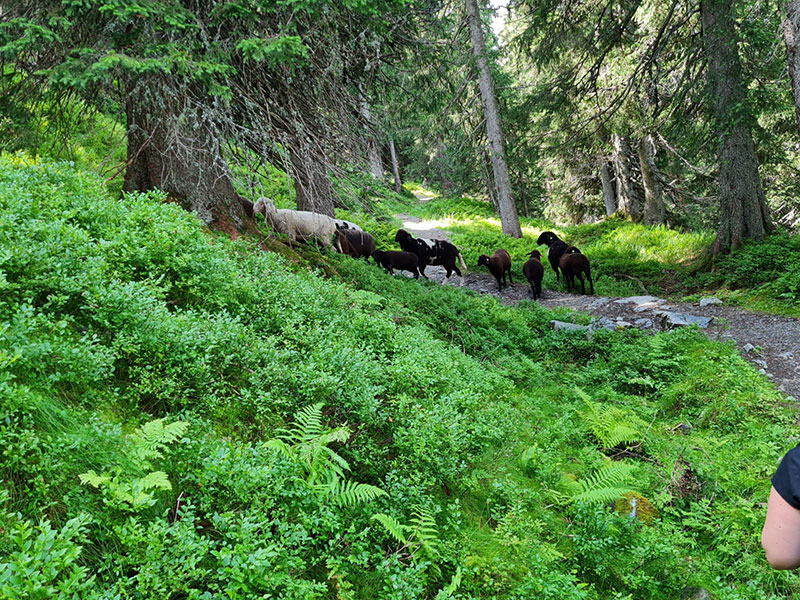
(418,253)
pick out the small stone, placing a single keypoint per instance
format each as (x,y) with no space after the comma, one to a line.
(786,355)
(597,303)
(791,399)
(564,326)
(762,371)
(643,323)
(760,362)
(603,323)
(675,319)
(748,347)
(709,301)
(695,593)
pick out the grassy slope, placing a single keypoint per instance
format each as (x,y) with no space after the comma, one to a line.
(463,410)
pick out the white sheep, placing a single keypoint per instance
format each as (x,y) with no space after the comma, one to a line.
(301,225)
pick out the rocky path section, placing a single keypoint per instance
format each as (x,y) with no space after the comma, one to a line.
(771,343)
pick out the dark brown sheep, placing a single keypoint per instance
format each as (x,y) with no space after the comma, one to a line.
(355,243)
(534,272)
(394,259)
(499,263)
(555,248)
(573,264)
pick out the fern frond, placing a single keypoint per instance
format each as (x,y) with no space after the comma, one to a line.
(608,483)
(348,493)
(151,438)
(93,479)
(426,534)
(393,526)
(155,480)
(611,425)
(308,422)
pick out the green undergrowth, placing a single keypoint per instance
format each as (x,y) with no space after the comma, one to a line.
(182,416)
(629,258)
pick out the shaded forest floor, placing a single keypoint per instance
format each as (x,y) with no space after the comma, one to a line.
(770,342)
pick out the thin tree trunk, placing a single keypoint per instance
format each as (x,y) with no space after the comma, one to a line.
(629,201)
(311,184)
(791,36)
(173,148)
(508,212)
(609,196)
(398,184)
(743,209)
(373,153)
(653,201)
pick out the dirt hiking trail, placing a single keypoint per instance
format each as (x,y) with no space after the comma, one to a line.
(771,343)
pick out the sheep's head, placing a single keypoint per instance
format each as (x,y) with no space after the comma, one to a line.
(547,238)
(535,254)
(401,236)
(483,260)
(264,206)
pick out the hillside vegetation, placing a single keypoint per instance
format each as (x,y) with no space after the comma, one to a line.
(183,416)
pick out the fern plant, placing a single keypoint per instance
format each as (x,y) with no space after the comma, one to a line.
(606,484)
(146,444)
(610,425)
(306,445)
(419,538)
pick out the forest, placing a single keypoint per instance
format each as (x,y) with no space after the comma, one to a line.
(206,393)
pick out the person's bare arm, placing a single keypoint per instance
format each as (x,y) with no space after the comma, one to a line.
(781,534)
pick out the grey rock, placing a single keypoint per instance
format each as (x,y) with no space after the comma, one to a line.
(709,301)
(643,323)
(760,362)
(597,303)
(762,371)
(748,347)
(603,323)
(787,355)
(563,325)
(638,300)
(791,399)
(670,319)
(695,593)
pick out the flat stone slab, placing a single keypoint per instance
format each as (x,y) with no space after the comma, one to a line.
(564,326)
(709,301)
(638,300)
(676,319)
(650,306)
(643,323)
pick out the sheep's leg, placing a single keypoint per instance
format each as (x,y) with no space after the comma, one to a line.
(509,276)
(583,287)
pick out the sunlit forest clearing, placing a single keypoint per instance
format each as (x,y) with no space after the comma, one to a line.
(209,388)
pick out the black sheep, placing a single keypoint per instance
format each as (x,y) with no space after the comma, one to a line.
(573,264)
(431,252)
(355,243)
(393,259)
(534,272)
(555,248)
(499,263)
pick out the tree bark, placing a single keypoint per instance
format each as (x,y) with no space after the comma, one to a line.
(629,201)
(373,152)
(653,201)
(398,184)
(609,197)
(173,147)
(312,186)
(743,209)
(494,132)
(791,36)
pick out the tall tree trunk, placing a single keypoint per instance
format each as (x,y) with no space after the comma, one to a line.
(609,197)
(743,209)
(508,212)
(172,147)
(373,152)
(398,184)
(653,201)
(311,184)
(629,201)
(791,36)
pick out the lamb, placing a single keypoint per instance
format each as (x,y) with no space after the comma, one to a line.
(572,264)
(534,272)
(499,263)
(431,252)
(299,225)
(357,244)
(393,259)
(555,248)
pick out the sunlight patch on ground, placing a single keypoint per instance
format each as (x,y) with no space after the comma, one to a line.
(427,225)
